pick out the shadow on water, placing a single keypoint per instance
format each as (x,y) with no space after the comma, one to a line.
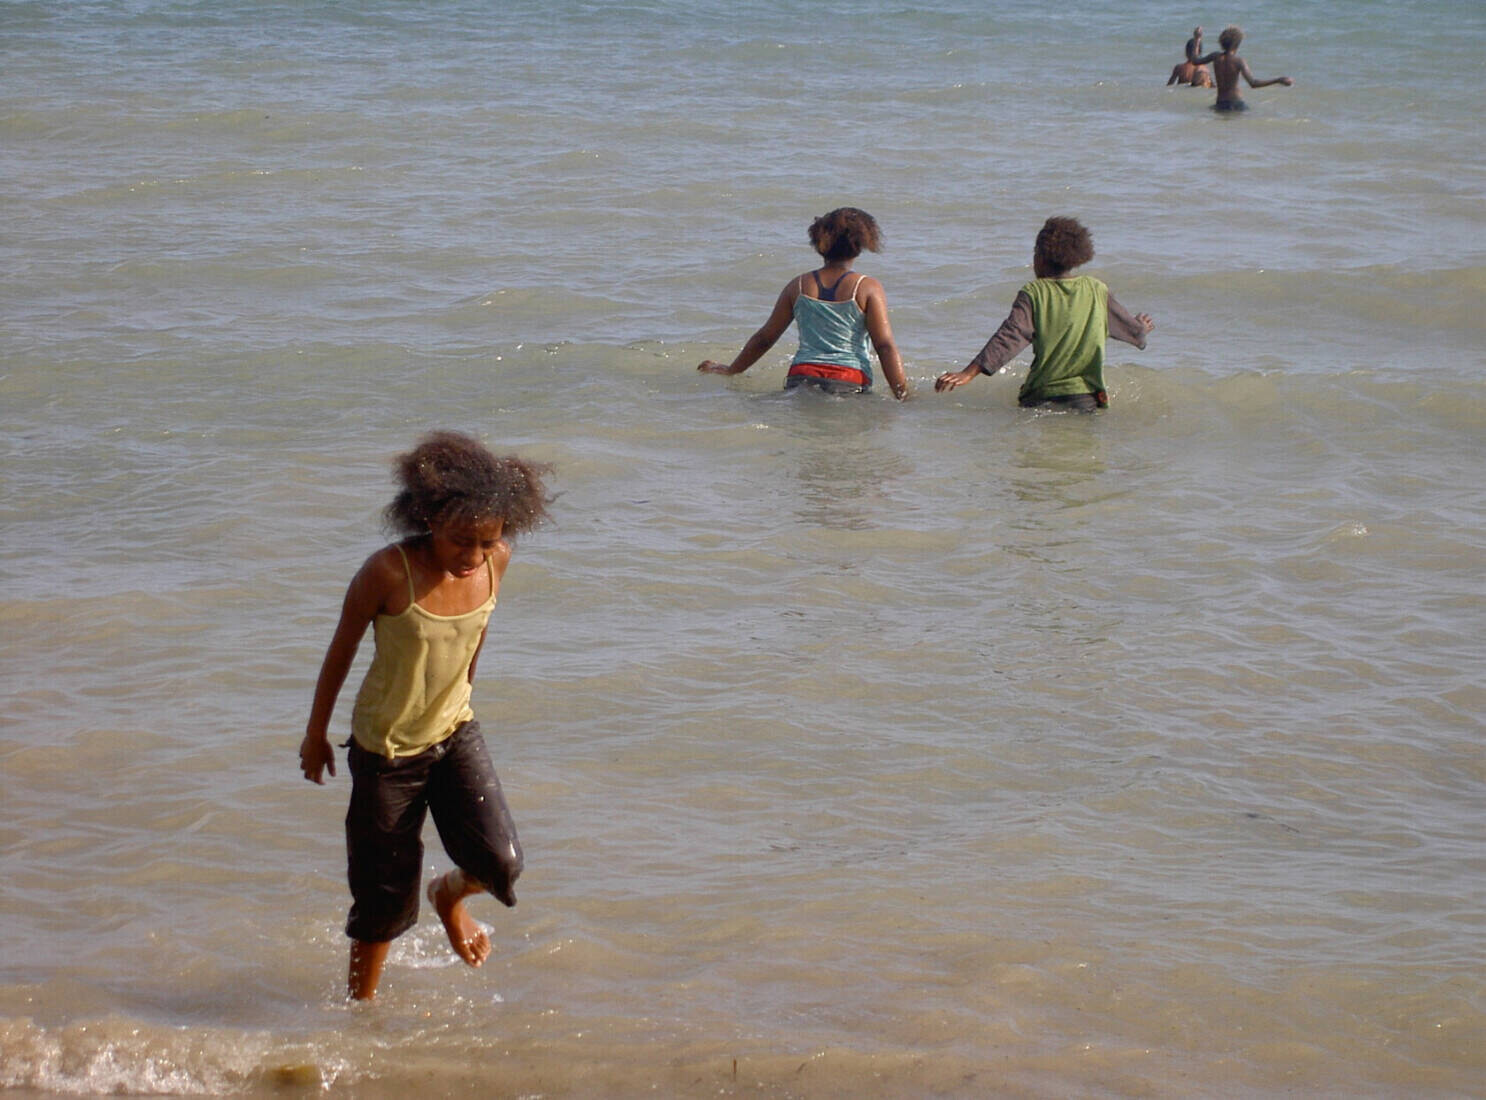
(839,465)
(1058,458)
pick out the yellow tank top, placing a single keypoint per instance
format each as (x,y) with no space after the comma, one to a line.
(417,690)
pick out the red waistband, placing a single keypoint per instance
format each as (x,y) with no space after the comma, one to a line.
(855,375)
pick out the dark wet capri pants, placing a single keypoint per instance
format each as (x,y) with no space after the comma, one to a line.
(384,826)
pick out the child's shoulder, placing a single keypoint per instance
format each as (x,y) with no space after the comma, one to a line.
(387,566)
(1069,279)
(382,578)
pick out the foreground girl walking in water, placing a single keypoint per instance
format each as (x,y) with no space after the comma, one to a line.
(415,745)
(837,312)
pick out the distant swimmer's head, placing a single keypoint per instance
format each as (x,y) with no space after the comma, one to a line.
(451,480)
(1201,78)
(1062,245)
(845,233)
(1230,38)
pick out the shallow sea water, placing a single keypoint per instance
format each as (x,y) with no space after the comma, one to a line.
(856,748)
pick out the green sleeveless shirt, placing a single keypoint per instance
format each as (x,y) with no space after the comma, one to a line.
(1071,320)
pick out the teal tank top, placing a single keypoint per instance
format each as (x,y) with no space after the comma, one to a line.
(834,333)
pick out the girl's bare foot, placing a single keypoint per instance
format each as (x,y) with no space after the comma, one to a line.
(446,894)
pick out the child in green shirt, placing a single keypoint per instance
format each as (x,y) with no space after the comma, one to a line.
(1066,318)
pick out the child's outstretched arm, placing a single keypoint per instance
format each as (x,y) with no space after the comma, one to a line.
(1015,334)
(1243,67)
(762,340)
(364,598)
(1128,328)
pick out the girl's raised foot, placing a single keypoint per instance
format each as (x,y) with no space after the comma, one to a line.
(467,938)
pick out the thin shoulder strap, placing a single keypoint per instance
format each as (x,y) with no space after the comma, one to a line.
(490,572)
(860,280)
(408,569)
(833,296)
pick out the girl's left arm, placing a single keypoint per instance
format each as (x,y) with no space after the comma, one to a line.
(499,559)
(880,330)
(476,658)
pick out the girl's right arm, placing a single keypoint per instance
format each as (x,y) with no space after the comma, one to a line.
(762,340)
(364,599)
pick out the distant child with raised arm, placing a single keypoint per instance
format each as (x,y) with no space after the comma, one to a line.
(1190,70)
(837,312)
(1228,67)
(1066,319)
(415,745)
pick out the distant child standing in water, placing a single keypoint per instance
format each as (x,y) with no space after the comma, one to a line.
(1228,67)
(836,310)
(1066,319)
(415,745)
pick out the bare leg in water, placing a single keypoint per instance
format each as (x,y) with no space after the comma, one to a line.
(367,960)
(446,894)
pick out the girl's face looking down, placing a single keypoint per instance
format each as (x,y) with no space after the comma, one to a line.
(460,548)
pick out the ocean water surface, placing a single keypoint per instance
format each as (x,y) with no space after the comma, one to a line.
(857,748)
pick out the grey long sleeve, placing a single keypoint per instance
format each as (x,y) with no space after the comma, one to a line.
(1016,332)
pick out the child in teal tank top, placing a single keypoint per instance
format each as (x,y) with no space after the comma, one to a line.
(837,313)
(1066,319)
(416,748)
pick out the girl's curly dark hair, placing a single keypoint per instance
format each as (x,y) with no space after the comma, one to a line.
(1064,244)
(845,233)
(451,477)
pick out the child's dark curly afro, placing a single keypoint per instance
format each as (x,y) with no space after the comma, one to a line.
(845,233)
(452,478)
(1063,244)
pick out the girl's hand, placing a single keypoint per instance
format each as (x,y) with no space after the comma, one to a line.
(316,757)
(954,379)
(1145,321)
(711,366)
